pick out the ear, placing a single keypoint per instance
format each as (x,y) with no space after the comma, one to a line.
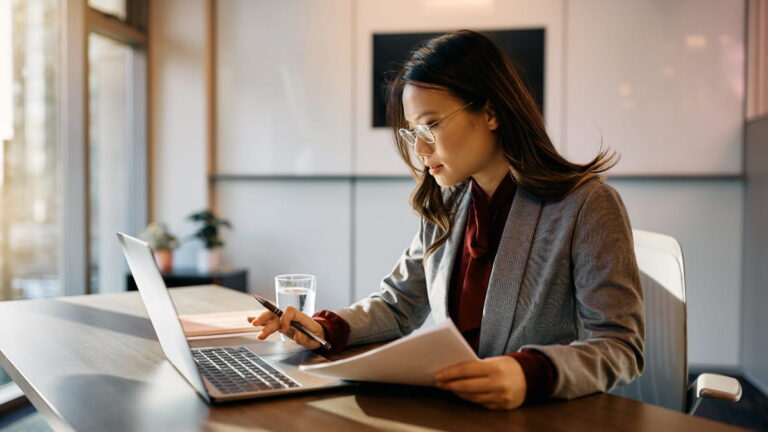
(489,115)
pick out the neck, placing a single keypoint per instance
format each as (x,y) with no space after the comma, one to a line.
(490,178)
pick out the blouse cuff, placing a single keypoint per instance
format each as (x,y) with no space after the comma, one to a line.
(540,374)
(336,331)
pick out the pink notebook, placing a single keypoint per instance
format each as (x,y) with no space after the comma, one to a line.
(208,324)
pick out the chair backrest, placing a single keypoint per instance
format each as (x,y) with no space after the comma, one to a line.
(665,378)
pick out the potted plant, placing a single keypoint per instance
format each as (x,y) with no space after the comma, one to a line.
(209,234)
(162,243)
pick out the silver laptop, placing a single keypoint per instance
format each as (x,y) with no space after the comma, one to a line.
(217,373)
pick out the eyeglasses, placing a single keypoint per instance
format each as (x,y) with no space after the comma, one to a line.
(424,132)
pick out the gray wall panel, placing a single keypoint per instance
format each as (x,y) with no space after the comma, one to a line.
(754,348)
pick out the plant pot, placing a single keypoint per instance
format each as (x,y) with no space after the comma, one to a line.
(208,260)
(164,260)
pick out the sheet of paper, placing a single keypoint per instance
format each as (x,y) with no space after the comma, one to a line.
(219,323)
(412,360)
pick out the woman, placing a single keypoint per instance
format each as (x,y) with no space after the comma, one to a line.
(529,254)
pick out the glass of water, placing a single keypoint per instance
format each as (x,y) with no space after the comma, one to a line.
(297,290)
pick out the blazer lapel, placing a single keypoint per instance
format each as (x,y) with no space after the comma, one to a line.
(508,272)
(445,257)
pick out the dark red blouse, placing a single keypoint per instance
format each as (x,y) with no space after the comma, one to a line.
(469,284)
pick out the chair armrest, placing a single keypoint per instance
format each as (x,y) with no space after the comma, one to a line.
(712,386)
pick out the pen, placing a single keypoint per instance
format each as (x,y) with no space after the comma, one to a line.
(295,324)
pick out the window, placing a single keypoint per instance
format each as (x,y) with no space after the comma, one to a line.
(41,90)
(28,161)
(29,228)
(116,8)
(116,174)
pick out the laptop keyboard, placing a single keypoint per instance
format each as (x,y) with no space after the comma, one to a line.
(237,370)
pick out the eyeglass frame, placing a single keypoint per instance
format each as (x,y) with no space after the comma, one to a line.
(426,129)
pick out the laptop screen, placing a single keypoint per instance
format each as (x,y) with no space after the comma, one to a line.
(161,310)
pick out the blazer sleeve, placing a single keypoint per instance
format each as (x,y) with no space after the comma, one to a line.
(609,302)
(401,305)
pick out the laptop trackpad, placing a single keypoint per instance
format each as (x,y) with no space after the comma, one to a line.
(290,363)
(271,348)
(287,353)
(297,358)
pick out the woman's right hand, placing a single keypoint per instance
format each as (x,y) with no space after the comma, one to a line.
(273,323)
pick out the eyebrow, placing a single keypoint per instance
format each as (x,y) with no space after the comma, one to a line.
(421,115)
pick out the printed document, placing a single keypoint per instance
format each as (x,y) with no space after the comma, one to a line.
(413,359)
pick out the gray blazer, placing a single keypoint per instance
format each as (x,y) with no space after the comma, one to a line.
(564,282)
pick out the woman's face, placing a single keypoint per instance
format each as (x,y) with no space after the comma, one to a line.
(464,146)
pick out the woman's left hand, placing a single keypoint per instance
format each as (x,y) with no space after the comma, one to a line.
(495,382)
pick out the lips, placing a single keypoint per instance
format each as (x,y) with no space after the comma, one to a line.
(434,169)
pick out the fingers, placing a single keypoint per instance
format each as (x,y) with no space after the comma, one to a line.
(487,399)
(496,383)
(269,322)
(491,400)
(272,323)
(261,319)
(475,368)
(470,385)
(303,340)
(293,314)
(270,327)
(289,314)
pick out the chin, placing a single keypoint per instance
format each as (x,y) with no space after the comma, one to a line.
(448,181)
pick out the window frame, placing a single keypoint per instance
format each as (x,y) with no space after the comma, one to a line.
(78,20)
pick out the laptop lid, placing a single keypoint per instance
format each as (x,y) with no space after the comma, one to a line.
(161,310)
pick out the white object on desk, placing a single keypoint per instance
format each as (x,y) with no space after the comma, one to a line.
(219,323)
(412,360)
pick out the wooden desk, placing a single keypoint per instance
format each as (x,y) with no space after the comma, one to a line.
(92,363)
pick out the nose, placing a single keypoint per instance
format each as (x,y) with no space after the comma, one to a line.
(421,148)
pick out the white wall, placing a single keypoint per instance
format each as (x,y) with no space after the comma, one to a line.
(177,105)
(384,226)
(293,115)
(291,227)
(660,81)
(706,215)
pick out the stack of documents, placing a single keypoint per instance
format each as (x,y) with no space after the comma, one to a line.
(411,360)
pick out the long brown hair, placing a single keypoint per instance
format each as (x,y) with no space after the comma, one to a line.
(471,67)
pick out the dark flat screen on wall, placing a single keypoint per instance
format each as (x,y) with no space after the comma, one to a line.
(524,47)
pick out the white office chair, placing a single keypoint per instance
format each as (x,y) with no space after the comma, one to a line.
(665,379)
